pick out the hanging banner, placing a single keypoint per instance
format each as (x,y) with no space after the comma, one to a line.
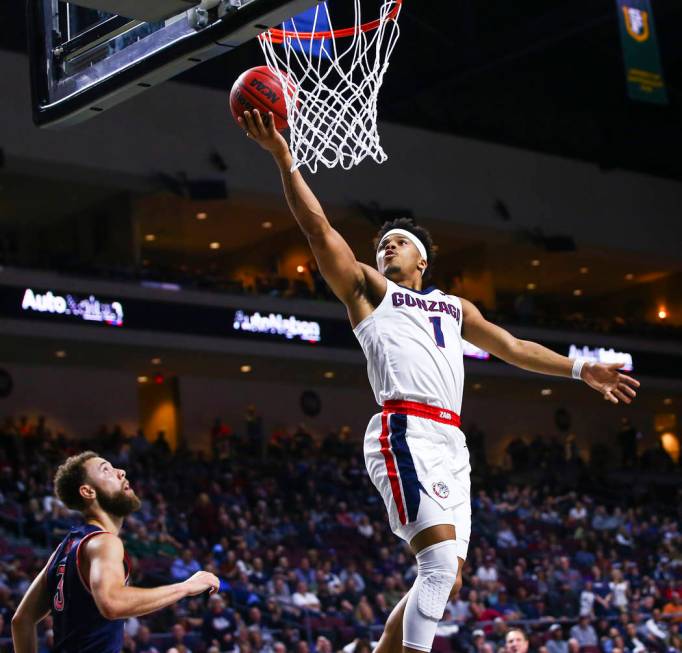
(640,52)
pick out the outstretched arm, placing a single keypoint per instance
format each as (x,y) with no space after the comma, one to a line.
(337,263)
(115,600)
(34,607)
(605,379)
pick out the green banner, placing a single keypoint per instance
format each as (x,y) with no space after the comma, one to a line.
(640,52)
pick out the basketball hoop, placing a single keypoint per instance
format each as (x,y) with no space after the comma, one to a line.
(332,105)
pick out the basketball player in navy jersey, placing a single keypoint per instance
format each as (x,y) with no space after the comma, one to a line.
(85,583)
(415,453)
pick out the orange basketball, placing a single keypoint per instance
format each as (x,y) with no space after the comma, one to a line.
(259,88)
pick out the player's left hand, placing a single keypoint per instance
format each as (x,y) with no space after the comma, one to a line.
(607,380)
(261,128)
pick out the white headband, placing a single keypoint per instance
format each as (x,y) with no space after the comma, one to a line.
(410,236)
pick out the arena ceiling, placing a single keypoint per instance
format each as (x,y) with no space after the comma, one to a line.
(545,75)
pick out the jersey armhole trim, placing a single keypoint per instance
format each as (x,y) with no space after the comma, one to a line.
(86,585)
(362,324)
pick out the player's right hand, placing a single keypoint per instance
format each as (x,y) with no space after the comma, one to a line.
(200,582)
(263,131)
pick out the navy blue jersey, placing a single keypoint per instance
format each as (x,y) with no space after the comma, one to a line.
(78,625)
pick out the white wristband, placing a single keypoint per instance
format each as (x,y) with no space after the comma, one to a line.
(578,368)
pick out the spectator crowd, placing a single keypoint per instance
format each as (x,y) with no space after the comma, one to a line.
(298,537)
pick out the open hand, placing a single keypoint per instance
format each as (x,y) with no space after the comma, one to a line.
(607,380)
(263,131)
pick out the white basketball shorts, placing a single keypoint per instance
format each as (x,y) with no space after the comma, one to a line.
(417,458)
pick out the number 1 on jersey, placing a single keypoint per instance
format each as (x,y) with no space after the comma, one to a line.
(437,331)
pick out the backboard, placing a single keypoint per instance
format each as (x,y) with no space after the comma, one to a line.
(85,59)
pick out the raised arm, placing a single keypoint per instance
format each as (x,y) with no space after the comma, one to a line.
(605,379)
(345,275)
(115,600)
(34,607)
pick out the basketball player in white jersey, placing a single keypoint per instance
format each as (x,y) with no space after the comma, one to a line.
(415,453)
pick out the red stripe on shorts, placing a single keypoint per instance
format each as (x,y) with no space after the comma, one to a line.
(391,468)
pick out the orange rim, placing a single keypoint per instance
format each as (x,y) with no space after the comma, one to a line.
(277,35)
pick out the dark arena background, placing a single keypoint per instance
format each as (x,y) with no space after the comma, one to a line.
(159,305)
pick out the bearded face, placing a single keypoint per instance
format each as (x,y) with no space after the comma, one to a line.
(119,503)
(111,488)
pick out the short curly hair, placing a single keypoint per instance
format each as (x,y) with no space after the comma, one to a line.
(69,478)
(409,224)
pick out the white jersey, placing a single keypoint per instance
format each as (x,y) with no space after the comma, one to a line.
(413,345)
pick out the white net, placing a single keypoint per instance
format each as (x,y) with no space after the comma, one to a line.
(333,83)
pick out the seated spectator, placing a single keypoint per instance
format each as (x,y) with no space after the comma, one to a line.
(391,592)
(459,609)
(364,613)
(567,575)
(204,517)
(259,575)
(343,517)
(675,644)
(304,572)
(600,519)
(673,608)
(476,605)
(281,593)
(577,514)
(584,557)
(556,642)
(323,645)
(350,592)
(179,639)
(655,631)
(632,640)
(516,641)
(244,592)
(479,645)
(219,623)
(564,602)
(273,615)
(487,572)
(350,572)
(498,633)
(184,567)
(507,607)
(303,599)
(365,527)
(505,537)
(143,641)
(584,633)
